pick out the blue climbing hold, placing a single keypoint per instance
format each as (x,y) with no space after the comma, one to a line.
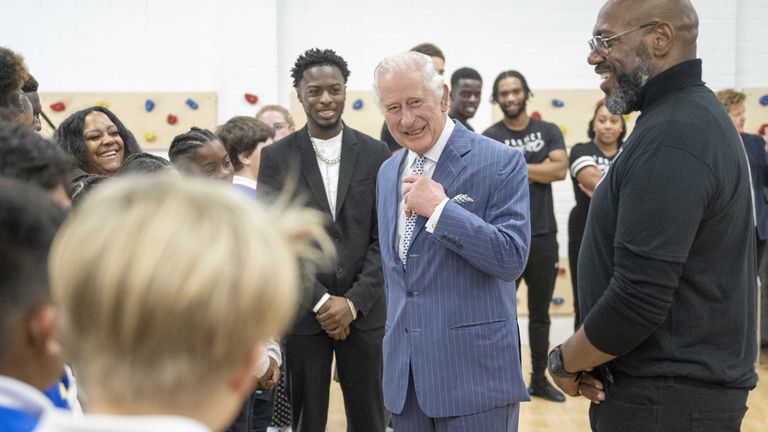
(557,301)
(192,104)
(149,105)
(764,100)
(358,104)
(557,103)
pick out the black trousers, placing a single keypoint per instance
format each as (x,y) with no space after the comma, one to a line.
(576,223)
(359,365)
(539,276)
(671,404)
(255,413)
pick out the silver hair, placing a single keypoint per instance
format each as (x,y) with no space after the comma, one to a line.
(408,61)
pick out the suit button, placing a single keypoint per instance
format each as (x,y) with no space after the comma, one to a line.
(411,293)
(337,236)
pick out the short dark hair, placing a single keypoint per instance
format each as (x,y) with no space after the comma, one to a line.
(429,49)
(27,156)
(30,85)
(316,57)
(465,73)
(243,134)
(510,74)
(69,134)
(145,163)
(13,74)
(29,220)
(590,127)
(187,143)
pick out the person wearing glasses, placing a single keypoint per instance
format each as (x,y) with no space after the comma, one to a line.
(667,270)
(279,118)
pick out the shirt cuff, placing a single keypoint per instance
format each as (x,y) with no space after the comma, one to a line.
(320,303)
(274,351)
(352,309)
(432,221)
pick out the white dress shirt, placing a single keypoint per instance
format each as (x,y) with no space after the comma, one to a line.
(330,149)
(56,422)
(244,181)
(432,156)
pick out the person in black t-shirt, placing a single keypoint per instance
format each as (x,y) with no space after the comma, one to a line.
(588,162)
(466,89)
(544,149)
(667,268)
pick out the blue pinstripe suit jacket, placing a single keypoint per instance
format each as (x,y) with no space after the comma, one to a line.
(452,316)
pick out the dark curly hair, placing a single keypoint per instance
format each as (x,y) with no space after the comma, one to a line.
(27,156)
(69,134)
(13,74)
(465,73)
(510,74)
(316,57)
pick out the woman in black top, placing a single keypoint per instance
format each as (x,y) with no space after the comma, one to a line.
(588,162)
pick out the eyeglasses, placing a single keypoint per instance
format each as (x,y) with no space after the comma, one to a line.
(600,44)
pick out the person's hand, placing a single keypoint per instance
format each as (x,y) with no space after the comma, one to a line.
(269,380)
(585,190)
(569,386)
(334,314)
(421,195)
(591,388)
(339,334)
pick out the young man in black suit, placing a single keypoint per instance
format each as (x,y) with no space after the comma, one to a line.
(332,168)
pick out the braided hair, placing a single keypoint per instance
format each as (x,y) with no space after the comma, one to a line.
(186,144)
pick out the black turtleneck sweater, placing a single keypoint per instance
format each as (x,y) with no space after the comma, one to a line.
(667,273)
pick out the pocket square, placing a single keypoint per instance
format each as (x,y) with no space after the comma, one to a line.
(462,199)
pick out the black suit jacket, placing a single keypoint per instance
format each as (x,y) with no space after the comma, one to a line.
(357,272)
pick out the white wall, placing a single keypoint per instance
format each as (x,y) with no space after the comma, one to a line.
(234,46)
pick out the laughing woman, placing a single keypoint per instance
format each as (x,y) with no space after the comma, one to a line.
(98,139)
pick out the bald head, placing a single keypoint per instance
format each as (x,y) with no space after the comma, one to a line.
(677,20)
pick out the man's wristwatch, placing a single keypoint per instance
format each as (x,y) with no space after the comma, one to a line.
(556,367)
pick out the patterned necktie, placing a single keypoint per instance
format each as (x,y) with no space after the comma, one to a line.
(410,222)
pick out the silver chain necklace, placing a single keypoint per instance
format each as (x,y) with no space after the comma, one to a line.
(333,161)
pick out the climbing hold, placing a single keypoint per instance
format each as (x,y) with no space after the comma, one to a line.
(251,98)
(557,301)
(58,106)
(563,130)
(149,105)
(171,119)
(102,104)
(557,103)
(764,100)
(358,104)
(192,104)
(536,115)
(150,136)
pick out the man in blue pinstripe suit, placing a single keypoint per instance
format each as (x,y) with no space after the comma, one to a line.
(454,233)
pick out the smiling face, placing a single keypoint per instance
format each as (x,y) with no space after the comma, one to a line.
(322,93)
(105,149)
(413,113)
(512,97)
(607,127)
(626,68)
(465,98)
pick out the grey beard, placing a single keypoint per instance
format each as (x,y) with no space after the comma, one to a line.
(625,95)
(628,87)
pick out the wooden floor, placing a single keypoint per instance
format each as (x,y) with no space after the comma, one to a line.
(571,416)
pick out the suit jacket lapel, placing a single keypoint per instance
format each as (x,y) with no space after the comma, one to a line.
(448,167)
(310,171)
(348,161)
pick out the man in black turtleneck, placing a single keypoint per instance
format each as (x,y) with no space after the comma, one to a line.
(667,267)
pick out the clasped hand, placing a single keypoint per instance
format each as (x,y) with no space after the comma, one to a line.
(421,195)
(334,317)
